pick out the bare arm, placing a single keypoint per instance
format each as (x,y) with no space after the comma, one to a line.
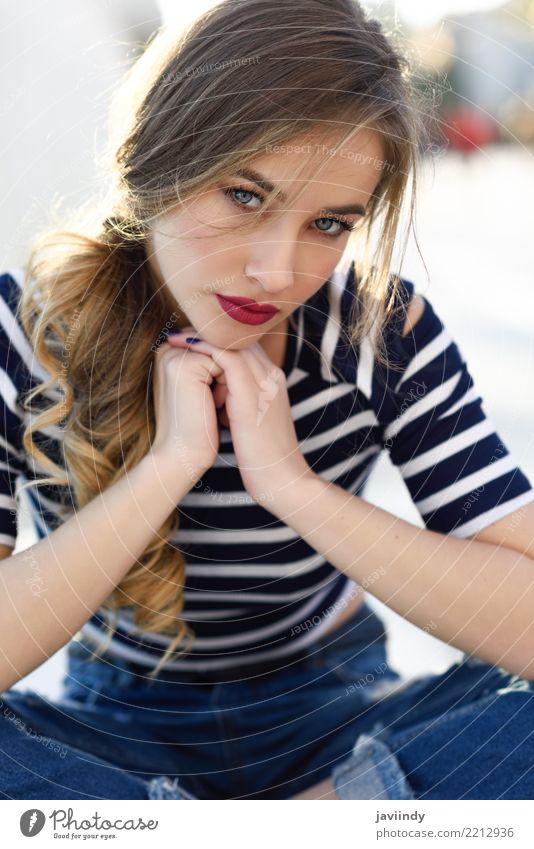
(80,563)
(478,595)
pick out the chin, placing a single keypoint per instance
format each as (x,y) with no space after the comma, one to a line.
(228,340)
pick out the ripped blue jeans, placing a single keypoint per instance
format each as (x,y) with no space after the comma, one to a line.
(337,710)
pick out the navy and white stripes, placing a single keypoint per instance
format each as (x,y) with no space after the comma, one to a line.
(251,581)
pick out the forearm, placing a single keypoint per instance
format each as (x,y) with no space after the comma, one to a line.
(474,595)
(80,563)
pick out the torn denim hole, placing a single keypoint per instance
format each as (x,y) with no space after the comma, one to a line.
(516,684)
(164,787)
(371,772)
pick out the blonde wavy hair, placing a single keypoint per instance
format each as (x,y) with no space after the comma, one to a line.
(195,106)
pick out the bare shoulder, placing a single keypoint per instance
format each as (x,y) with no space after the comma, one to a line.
(416,308)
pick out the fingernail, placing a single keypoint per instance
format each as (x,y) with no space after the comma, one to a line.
(192,340)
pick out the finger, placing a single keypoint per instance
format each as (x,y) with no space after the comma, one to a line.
(178,340)
(209,369)
(220,390)
(230,361)
(259,368)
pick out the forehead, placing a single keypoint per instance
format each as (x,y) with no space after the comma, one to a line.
(355,164)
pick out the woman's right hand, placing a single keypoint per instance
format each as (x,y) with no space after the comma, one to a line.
(187,430)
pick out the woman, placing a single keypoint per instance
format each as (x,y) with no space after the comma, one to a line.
(204,455)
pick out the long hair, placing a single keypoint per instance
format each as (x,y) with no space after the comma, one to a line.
(197,104)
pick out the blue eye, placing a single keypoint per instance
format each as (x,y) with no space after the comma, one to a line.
(344,226)
(232,191)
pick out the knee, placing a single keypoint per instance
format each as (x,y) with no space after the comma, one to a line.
(371,772)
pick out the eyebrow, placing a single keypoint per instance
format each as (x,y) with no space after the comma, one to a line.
(263,183)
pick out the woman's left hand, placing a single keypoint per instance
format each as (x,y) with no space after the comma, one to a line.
(258,415)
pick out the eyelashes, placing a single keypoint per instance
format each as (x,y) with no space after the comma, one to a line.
(345,226)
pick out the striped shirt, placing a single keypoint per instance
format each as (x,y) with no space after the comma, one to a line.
(254,590)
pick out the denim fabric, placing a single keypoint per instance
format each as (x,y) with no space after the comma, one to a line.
(336,710)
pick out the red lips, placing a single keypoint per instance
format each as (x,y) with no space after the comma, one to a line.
(253,306)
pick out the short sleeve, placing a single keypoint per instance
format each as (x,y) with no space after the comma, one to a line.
(460,474)
(12,376)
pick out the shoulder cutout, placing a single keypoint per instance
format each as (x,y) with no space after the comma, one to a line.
(416,308)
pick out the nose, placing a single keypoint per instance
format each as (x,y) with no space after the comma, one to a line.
(272,261)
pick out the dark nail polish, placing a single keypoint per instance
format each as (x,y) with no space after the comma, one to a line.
(192,340)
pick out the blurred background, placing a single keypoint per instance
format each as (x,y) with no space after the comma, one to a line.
(60,62)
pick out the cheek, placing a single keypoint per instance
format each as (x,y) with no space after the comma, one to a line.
(193,238)
(178,254)
(308,286)
(316,264)
(194,269)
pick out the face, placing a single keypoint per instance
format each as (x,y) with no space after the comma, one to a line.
(280,262)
